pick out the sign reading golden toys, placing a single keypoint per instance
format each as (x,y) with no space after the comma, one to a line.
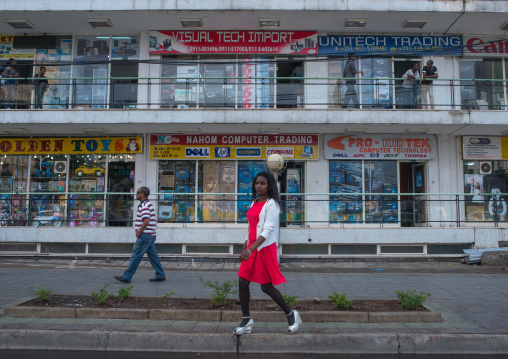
(246,147)
(71,146)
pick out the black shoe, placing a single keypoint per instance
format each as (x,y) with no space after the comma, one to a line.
(122,279)
(157,279)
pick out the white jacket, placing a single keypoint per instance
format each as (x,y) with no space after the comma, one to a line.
(268,225)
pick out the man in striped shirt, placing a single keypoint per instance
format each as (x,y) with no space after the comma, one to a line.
(145,243)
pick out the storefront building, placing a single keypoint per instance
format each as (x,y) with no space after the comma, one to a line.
(194,114)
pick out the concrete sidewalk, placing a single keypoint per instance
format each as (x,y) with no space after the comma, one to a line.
(472,300)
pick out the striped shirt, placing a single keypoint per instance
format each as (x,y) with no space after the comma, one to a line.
(146,210)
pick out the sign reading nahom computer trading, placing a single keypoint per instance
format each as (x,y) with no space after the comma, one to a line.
(379,147)
(254,146)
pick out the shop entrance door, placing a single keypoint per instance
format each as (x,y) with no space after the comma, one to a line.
(289,92)
(413,207)
(402,100)
(291,181)
(120,180)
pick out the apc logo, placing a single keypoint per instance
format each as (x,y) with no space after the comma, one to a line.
(222,152)
(337,142)
(197,152)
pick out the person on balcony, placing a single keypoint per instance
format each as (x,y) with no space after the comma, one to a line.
(428,72)
(409,86)
(349,73)
(11,85)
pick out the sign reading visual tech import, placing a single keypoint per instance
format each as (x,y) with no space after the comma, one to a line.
(247,147)
(379,147)
(485,148)
(383,45)
(233,42)
(71,146)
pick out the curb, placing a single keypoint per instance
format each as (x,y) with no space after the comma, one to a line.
(254,343)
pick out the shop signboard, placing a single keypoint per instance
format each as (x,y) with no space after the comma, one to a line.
(379,147)
(233,42)
(485,148)
(71,146)
(485,46)
(8,51)
(390,45)
(229,147)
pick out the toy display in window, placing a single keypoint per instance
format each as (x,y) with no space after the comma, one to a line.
(89,170)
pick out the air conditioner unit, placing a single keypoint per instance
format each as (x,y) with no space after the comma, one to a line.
(485,168)
(60,166)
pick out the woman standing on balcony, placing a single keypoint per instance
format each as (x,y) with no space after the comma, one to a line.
(259,254)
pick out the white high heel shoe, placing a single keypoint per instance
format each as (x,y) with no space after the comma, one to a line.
(294,328)
(247,329)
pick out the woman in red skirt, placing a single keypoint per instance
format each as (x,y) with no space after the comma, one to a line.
(259,254)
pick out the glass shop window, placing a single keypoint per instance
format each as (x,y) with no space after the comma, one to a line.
(482,94)
(485,185)
(247,170)
(13,178)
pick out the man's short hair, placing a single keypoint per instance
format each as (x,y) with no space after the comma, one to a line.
(431,62)
(351,54)
(145,190)
(11,60)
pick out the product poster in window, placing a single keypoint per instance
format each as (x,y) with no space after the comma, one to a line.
(240,147)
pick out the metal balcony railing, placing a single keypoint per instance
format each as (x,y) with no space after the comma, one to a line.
(99,209)
(253,93)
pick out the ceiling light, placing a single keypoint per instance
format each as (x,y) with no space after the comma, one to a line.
(414,24)
(94,131)
(191,23)
(416,131)
(269,131)
(356,131)
(355,23)
(270,23)
(16,131)
(190,131)
(20,24)
(504,27)
(100,23)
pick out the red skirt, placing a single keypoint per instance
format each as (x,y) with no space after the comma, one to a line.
(262,266)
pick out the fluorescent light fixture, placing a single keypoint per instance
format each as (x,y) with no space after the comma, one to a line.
(414,24)
(190,131)
(20,23)
(269,23)
(416,131)
(16,131)
(100,23)
(191,23)
(94,131)
(355,131)
(355,23)
(504,27)
(269,131)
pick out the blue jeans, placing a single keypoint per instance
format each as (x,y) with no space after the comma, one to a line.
(144,244)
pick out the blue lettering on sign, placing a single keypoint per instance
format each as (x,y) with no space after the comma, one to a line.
(197,152)
(340,155)
(248,152)
(222,152)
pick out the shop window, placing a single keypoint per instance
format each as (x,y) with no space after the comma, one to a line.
(216,177)
(181,90)
(481,94)
(247,170)
(121,172)
(256,93)
(336,90)
(48,173)
(345,179)
(218,91)
(381,177)
(13,178)
(176,178)
(376,93)
(484,185)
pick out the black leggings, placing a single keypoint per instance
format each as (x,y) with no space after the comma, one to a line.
(267,288)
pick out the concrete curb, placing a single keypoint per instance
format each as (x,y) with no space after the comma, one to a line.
(254,343)
(432,316)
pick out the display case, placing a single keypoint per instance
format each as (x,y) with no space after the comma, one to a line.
(175,179)
(345,179)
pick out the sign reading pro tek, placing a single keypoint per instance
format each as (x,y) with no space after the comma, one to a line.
(379,147)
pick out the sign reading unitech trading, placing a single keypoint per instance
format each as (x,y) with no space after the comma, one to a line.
(71,146)
(379,147)
(233,42)
(485,148)
(384,45)
(246,147)
(485,46)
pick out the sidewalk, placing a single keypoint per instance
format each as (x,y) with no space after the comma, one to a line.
(472,300)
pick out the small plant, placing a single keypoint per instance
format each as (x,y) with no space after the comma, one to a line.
(410,299)
(340,300)
(220,292)
(102,295)
(291,301)
(167,295)
(41,293)
(125,292)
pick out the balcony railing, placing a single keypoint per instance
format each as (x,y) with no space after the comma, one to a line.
(94,209)
(253,93)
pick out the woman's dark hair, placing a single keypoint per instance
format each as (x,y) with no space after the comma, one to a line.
(273,190)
